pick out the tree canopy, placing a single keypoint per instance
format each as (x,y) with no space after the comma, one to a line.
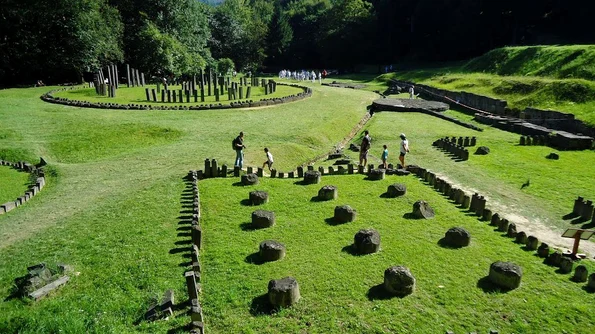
(60,40)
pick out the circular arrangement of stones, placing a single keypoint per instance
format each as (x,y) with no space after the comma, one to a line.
(283,292)
(506,274)
(396,190)
(399,281)
(49,97)
(312,177)
(457,237)
(258,197)
(271,250)
(263,218)
(421,209)
(344,214)
(366,241)
(327,193)
(249,179)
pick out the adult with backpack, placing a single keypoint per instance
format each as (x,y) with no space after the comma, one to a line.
(238,146)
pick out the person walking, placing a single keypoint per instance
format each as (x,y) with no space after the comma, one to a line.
(385,156)
(404,150)
(412,92)
(238,145)
(269,161)
(364,149)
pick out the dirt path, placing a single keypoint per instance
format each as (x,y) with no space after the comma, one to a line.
(530,224)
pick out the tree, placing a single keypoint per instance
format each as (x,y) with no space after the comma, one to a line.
(57,40)
(278,38)
(225,66)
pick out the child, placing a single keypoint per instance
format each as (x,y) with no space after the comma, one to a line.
(269,160)
(385,156)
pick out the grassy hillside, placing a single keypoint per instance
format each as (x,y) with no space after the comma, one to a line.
(114,209)
(562,62)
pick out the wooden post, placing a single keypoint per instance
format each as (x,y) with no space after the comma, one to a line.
(128,75)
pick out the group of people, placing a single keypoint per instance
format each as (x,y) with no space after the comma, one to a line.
(302,75)
(367,144)
(238,146)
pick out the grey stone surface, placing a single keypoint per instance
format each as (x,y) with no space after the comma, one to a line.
(421,209)
(532,242)
(399,281)
(327,193)
(263,218)
(283,292)
(396,190)
(580,274)
(376,174)
(457,237)
(506,274)
(312,177)
(249,179)
(566,265)
(482,150)
(366,241)
(344,214)
(543,250)
(521,238)
(271,250)
(259,197)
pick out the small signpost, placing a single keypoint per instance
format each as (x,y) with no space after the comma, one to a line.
(577,235)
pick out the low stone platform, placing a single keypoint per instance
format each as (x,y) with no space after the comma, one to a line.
(408,105)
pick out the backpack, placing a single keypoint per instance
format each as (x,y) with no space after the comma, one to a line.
(233,144)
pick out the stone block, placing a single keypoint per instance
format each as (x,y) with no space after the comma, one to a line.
(399,281)
(327,193)
(396,190)
(506,274)
(271,250)
(263,219)
(457,237)
(283,292)
(366,241)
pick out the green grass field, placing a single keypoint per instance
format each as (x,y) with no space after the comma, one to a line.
(14,184)
(114,208)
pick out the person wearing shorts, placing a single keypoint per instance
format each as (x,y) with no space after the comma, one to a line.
(364,149)
(404,149)
(269,161)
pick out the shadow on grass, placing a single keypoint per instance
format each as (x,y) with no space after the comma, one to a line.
(411,216)
(183,242)
(301,183)
(185,211)
(333,222)
(588,225)
(442,243)
(569,216)
(185,217)
(248,226)
(318,199)
(578,220)
(385,195)
(254,258)
(246,202)
(184,234)
(261,306)
(527,249)
(238,184)
(350,249)
(488,287)
(178,250)
(588,289)
(378,292)
(184,228)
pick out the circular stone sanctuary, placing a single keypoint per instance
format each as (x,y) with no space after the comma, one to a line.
(408,105)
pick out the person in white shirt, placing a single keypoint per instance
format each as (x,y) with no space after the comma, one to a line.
(269,161)
(404,149)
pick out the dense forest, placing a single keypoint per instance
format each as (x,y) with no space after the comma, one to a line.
(60,40)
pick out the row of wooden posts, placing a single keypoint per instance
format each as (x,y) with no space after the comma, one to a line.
(234,92)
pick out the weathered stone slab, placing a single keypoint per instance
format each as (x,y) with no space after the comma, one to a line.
(40,293)
(312,177)
(396,190)
(366,241)
(399,281)
(344,214)
(327,193)
(421,209)
(457,237)
(283,292)
(263,218)
(271,250)
(506,274)
(249,179)
(258,197)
